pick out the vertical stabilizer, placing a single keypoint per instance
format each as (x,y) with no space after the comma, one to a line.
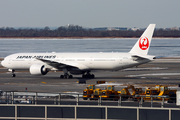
(143,44)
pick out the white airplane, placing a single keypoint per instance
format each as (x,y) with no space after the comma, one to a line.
(81,63)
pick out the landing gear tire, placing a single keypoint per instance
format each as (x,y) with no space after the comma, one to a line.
(13,75)
(61,76)
(70,76)
(92,76)
(66,76)
(85,98)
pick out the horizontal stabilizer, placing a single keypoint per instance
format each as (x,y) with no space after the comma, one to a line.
(141,57)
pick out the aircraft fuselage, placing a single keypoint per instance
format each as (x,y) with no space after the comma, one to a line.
(93,61)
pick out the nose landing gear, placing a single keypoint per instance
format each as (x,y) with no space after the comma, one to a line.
(12,71)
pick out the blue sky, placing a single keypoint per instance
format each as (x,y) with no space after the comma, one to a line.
(89,13)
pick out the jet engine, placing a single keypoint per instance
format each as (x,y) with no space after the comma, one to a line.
(38,69)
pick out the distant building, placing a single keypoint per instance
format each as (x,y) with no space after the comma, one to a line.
(134,29)
(110,29)
(175,28)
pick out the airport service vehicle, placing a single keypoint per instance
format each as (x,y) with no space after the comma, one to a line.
(109,93)
(82,63)
(130,92)
(88,92)
(159,91)
(165,91)
(126,91)
(96,94)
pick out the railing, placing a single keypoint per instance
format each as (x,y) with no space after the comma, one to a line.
(28,105)
(9,97)
(55,112)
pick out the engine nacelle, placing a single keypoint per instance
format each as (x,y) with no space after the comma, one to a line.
(38,69)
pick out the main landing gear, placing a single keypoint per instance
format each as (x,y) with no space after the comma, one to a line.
(66,75)
(88,75)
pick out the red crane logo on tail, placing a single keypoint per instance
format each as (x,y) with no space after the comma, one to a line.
(143,43)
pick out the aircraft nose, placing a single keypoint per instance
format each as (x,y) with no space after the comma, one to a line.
(3,63)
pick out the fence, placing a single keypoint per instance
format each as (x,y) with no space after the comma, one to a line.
(76,99)
(54,112)
(33,105)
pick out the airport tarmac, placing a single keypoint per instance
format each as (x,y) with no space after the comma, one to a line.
(160,71)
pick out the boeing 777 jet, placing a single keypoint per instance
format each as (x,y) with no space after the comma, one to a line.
(81,63)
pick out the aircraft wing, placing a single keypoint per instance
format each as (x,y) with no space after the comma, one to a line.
(61,65)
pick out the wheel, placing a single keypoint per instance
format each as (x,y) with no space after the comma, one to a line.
(61,76)
(83,76)
(92,76)
(70,76)
(13,75)
(85,98)
(88,76)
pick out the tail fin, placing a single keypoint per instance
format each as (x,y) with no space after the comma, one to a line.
(142,45)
